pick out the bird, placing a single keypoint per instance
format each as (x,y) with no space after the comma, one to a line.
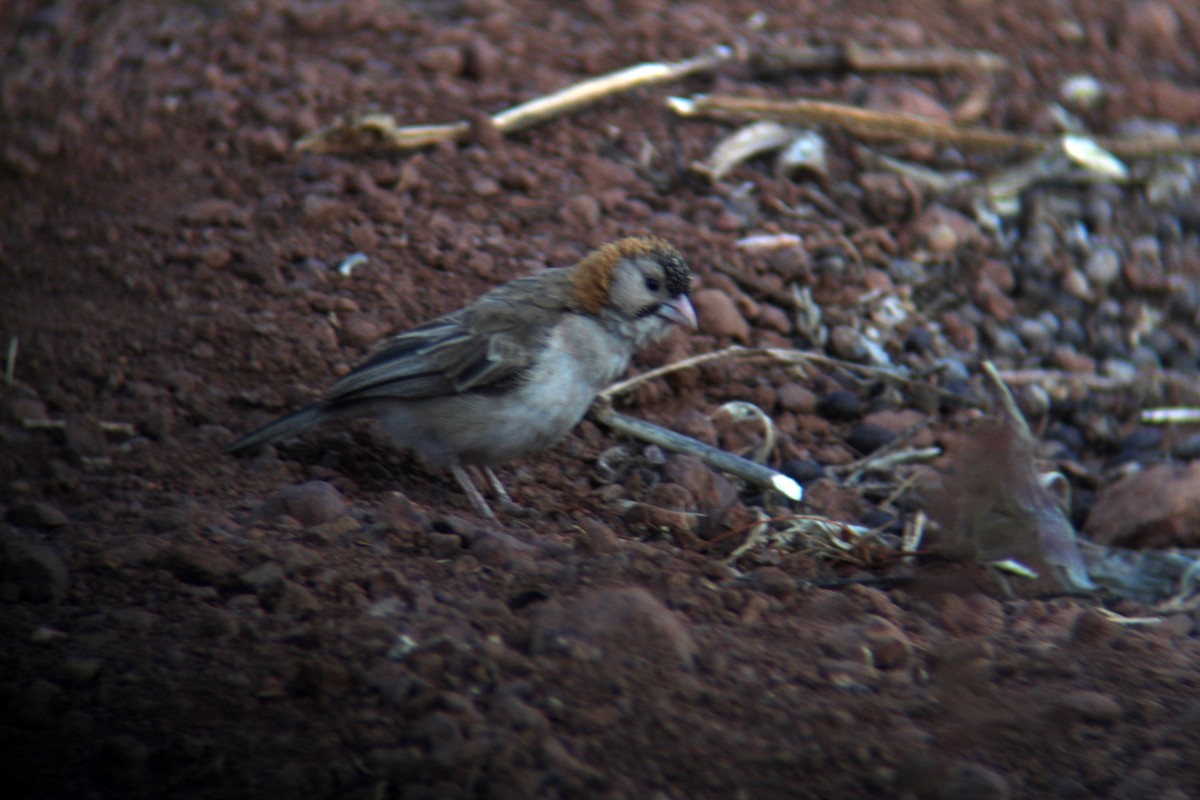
(513,372)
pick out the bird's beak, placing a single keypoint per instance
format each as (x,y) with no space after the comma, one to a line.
(680,311)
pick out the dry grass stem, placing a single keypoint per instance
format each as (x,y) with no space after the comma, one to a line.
(894,126)
(853,57)
(372,131)
(723,460)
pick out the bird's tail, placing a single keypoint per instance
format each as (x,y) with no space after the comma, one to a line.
(279,429)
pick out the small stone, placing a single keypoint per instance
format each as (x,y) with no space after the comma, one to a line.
(919,339)
(611,623)
(1034,333)
(1089,706)
(848,343)
(311,503)
(840,405)
(796,398)
(713,492)
(867,438)
(265,580)
(1070,360)
(38,574)
(320,211)
(79,669)
(774,581)
(803,470)
(445,545)
(1150,24)
(37,514)
(441,59)
(581,211)
(1103,266)
(974,782)
(897,420)
(718,315)
(201,566)
(481,58)
(1158,507)
(773,318)
(1075,283)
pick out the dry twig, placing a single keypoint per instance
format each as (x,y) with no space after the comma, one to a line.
(894,126)
(377,130)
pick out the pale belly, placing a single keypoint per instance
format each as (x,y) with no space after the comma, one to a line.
(492,429)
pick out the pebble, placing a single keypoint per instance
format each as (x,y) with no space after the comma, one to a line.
(919,339)
(265,580)
(1103,266)
(36,572)
(80,669)
(1089,706)
(848,343)
(1157,507)
(481,58)
(1150,24)
(1034,401)
(718,315)
(1068,359)
(1034,333)
(1075,283)
(796,398)
(311,503)
(1189,448)
(666,508)
(37,514)
(774,319)
(867,438)
(974,782)
(201,566)
(613,623)
(442,59)
(804,470)
(713,492)
(840,405)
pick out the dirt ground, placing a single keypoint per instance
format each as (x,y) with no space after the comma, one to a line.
(329,619)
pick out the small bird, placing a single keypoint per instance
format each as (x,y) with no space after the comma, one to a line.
(514,371)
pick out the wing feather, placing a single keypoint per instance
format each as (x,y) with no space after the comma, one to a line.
(485,347)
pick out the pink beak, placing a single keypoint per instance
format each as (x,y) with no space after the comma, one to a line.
(679,311)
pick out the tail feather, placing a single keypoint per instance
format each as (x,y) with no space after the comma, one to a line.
(279,429)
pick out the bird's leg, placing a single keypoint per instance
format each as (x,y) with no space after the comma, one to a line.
(464,480)
(504,498)
(498,487)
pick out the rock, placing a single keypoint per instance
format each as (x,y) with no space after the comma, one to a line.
(669,508)
(311,503)
(848,343)
(1088,706)
(796,398)
(1103,266)
(1150,24)
(1156,508)
(203,566)
(612,623)
(442,59)
(974,782)
(867,438)
(803,470)
(80,669)
(37,514)
(265,580)
(35,571)
(718,315)
(840,405)
(481,58)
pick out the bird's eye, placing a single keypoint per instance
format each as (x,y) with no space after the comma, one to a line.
(652,284)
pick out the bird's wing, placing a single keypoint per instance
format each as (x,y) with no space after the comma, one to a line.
(485,347)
